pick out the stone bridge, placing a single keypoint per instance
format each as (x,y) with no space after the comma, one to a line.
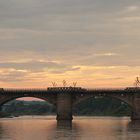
(65,98)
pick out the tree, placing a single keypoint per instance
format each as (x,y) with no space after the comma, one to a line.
(54,84)
(137,82)
(64,83)
(74,84)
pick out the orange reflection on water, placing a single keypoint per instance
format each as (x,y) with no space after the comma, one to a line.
(83,128)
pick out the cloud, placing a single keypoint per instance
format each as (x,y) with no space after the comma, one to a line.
(68,34)
(131,8)
(105,54)
(12,75)
(61,71)
(111,78)
(131,19)
(38,66)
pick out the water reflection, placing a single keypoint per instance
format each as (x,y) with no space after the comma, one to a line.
(3,134)
(26,129)
(64,124)
(66,130)
(134,126)
(81,129)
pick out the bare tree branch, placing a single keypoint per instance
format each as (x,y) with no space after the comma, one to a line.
(137,82)
(54,84)
(64,83)
(74,84)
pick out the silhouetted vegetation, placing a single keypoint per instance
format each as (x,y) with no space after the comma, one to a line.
(91,107)
(137,82)
(19,108)
(102,107)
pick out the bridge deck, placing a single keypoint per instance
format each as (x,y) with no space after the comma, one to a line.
(127,90)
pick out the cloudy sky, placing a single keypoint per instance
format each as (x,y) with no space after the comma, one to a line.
(93,42)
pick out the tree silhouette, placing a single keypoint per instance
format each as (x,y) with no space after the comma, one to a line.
(137,82)
(64,83)
(74,84)
(54,84)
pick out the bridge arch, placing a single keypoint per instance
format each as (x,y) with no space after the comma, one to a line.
(122,98)
(6,99)
(35,109)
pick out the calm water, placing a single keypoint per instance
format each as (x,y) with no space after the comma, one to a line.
(84,128)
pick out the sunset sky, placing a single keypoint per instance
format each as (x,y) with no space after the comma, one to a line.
(93,42)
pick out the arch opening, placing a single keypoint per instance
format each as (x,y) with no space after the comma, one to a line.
(27,106)
(102,106)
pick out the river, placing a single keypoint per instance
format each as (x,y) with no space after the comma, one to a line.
(83,128)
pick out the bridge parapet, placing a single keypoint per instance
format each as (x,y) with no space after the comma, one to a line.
(133,88)
(65,89)
(12,91)
(25,89)
(128,90)
(105,88)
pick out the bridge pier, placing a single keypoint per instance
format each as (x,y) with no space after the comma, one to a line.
(1,113)
(136,107)
(64,107)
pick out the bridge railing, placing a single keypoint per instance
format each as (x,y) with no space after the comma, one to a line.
(105,89)
(40,89)
(68,89)
(65,88)
(24,89)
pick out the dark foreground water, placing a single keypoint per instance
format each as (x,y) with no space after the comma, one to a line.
(84,128)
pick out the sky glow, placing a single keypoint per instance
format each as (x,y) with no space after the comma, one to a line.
(93,42)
